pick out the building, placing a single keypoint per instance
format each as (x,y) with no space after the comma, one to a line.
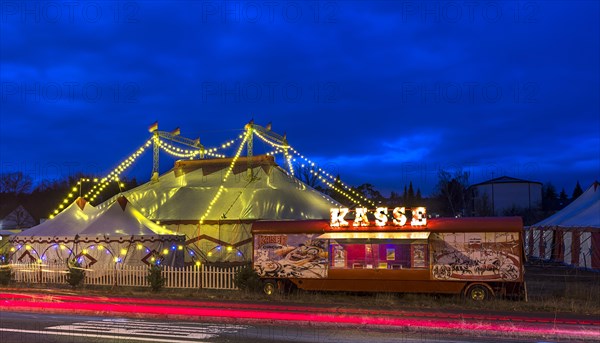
(15,218)
(505,195)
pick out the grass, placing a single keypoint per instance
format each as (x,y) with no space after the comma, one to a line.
(550,290)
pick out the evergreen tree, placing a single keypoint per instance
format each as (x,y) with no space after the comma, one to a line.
(577,191)
(549,198)
(563,198)
(410,196)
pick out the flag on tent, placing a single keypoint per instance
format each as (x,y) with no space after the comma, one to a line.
(153,127)
(176,132)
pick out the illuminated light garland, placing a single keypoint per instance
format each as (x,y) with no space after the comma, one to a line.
(312,164)
(279,146)
(348,188)
(229,171)
(332,186)
(114,174)
(177,152)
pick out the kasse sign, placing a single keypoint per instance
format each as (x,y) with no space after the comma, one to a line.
(382,218)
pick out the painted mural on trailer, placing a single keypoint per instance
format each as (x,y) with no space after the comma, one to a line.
(290,256)
(476,256)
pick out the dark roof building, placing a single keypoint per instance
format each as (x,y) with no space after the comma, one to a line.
(504,194)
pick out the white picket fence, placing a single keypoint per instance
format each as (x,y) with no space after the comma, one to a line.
(207,277)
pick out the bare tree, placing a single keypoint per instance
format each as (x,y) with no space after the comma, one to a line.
(308,174)
(15,183)
(452,194)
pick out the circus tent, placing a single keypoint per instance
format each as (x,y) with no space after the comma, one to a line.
(115,235)
(572,235)
(183,199)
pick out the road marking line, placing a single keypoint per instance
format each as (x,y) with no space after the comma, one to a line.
(128,338)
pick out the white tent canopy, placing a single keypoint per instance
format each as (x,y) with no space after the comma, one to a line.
(582,212)
(66,224)
(572,235)
(118,233)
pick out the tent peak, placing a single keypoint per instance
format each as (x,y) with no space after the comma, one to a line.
(122,202)
(81,203)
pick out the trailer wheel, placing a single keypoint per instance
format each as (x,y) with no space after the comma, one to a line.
(269,287)
(478,292)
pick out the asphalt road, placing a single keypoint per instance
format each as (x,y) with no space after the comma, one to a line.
(55,317)
(38,327)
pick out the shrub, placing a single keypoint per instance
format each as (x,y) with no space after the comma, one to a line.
(75,274)
(5,271)
(155,278)
(246,279)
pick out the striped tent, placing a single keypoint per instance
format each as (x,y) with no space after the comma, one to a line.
(572,235)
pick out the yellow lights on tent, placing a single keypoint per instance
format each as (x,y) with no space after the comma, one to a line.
(117,260)
(198,264)
(66,201)
(229,248)
(12,249)
(152,259)
(180,247)
(62,247)
(84,251)
(61,206)
(100,248)
(165,252)
(55,211)
(70,195)
(229,170)
(28,247)
(209,254)
(139,247)
(123,251)
(51,216)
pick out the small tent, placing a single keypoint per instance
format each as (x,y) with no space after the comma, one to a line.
(572,235)
(117,234)
(53,240)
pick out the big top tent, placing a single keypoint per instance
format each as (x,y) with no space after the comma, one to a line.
(183,199)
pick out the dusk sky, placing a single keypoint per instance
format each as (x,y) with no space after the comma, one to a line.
(380,92)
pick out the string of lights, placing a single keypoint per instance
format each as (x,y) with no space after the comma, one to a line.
(320,170)
(114,174)
(100,184)
(229,171)
(323,172)
(177,152)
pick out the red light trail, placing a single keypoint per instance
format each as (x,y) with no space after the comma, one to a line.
(520,325)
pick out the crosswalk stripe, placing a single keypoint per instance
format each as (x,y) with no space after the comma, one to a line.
(75,334)
(146,328)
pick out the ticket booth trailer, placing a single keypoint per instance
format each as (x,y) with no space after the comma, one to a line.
(478,257)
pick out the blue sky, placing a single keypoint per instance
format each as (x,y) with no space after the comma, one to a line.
(379,92)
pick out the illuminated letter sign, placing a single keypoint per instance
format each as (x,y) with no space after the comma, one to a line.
(361,217)
(418,217)
(398,217)
(381,216)
(337,217)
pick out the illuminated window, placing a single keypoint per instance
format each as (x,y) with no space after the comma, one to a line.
(384,254)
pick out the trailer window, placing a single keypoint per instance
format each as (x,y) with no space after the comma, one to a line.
(390,254)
